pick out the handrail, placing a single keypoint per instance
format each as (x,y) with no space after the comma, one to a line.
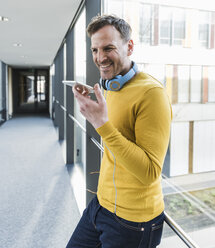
(171,223)
(84,130)
(180,232)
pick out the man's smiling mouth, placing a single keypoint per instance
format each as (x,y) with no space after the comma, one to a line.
(105,66)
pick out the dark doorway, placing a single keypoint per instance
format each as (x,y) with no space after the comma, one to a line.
(30,91)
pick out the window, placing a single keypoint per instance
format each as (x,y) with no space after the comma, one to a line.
(178,26)
(195,83)
(79,135)
(172,26)
(41,87)
(203,28)
(80,76)
(146,18)
(165,16)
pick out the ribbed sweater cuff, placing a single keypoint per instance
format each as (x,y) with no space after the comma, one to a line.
(105,129)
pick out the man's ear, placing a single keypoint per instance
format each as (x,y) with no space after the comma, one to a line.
(130,47)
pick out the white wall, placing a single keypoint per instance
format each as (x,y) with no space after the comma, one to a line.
(179,148)
(204,146)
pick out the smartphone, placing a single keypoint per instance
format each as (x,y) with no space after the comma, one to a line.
(83,87)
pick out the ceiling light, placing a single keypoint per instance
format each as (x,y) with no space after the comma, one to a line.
(17,44)
(4,19)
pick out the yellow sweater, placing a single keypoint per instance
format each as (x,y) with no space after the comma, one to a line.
(137,134)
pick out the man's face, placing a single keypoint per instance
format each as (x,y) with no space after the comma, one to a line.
(110,52)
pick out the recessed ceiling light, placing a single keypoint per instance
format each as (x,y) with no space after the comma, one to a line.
(4,19)
(17,44)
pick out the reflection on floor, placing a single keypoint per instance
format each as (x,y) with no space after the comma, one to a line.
(33,108)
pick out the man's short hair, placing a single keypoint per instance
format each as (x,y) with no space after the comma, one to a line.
(99,22)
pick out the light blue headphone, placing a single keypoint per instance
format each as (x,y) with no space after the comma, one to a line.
(118,82)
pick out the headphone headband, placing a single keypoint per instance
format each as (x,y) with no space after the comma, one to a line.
(118,82)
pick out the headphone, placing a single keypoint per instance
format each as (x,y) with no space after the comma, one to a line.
(118,82)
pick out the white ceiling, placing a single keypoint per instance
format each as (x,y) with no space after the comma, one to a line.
(39,25)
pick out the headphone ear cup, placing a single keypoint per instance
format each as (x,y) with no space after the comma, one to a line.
(118,82)
(114,84)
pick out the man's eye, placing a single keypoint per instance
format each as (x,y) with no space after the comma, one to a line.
(94,50)
(108,49)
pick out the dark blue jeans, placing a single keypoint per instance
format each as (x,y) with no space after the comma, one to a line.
(99,228)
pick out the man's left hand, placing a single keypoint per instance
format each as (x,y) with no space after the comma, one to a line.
(94,111)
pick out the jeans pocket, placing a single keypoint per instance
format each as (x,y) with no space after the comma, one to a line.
(156,233)
(135,226)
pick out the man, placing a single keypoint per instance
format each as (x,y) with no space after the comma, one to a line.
(133,119)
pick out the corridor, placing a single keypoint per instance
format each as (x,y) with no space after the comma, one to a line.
(37,205)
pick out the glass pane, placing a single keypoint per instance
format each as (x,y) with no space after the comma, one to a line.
(79,135)
(165,20)
(145,23)
(211,84)
(195,83)
(190,201)
(183,84)
(165,29)
(203,28)
(41,89)
(178,26)
(80,76)
(30,83)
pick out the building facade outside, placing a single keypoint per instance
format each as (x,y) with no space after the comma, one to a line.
(176,44)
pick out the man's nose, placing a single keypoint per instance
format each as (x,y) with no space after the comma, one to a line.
(101,57)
